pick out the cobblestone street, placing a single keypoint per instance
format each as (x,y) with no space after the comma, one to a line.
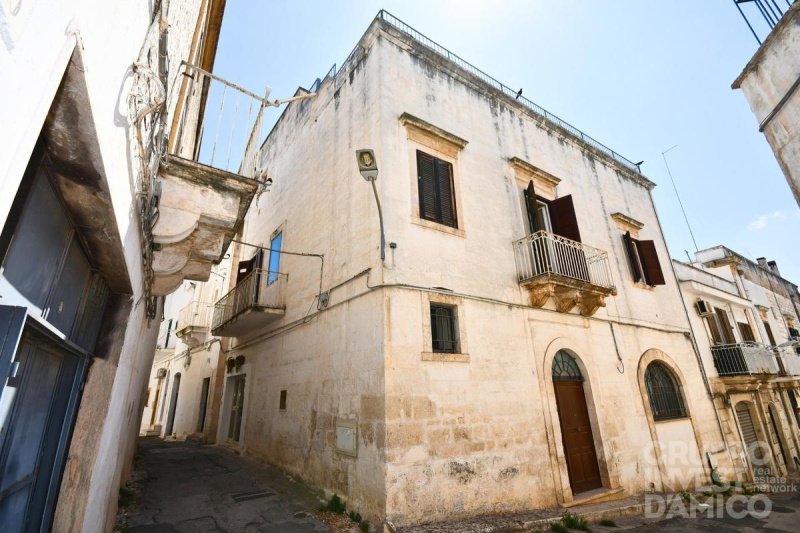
(187,487)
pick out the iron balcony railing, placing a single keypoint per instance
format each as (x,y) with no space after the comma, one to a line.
(398,24)
(259,289)
(220,124)
(744,358)
(543,253)
(195,315)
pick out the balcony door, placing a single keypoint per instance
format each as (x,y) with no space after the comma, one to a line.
(557,218)
(248,281)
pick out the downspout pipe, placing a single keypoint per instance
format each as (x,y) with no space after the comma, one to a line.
(693,341)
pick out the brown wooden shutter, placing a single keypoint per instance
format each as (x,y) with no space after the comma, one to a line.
(725,326)
(245,267)
(746,332)
(713,328)
(770,336)
(650,264)
(530,206)
(426,177)
(444,193)
(563,219)
(633,256)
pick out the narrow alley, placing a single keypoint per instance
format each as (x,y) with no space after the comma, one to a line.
(188,487)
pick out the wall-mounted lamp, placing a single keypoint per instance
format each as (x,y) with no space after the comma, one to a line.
(368,167)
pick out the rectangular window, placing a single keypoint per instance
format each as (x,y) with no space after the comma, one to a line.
(282,403)
(643,261)
(436,192)
(444,329)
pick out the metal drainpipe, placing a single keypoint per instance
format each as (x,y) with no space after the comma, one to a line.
(691,335)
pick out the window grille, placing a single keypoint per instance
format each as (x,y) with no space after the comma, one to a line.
(565,367)
(443,329)
(664,393)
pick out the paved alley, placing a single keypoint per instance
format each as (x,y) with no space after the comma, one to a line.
(193,488)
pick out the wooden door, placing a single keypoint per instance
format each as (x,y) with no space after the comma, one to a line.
(751,443)
(237,406)
(576,432)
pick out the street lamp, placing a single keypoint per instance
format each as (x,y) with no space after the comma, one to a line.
(369,171)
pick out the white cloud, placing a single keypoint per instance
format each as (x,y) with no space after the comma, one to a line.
(762,221)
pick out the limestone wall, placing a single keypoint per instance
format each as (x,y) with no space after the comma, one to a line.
(769,77)
(476,432)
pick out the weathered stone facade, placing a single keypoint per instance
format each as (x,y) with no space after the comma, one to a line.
(473,430)
(770,82)
(741,314)
(77,74)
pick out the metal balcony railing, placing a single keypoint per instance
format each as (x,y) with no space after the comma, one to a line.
(543,253)
(505,89)
(744,358)
(259,289)
(220,124)
(194,315)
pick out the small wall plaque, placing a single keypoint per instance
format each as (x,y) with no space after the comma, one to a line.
(347,436)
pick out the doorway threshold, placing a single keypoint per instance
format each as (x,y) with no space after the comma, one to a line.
(595,496)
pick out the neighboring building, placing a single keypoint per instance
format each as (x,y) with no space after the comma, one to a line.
(105,207)
(744,316)
(770,82)
(524,342)
(182,397)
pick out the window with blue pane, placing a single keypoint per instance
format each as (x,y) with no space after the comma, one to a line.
(274,257)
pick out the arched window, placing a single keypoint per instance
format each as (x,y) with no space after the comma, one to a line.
(565,367)
(664,392)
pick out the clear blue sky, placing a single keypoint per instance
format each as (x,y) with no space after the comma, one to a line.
(638,76)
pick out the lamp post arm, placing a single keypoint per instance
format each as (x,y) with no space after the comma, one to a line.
(380,218)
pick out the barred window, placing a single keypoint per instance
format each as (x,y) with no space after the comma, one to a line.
(664,393)
(444,331)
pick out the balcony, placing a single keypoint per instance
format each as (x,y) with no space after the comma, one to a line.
(205,180)
(257,300)
(744,359)
(194,323)
(571,273)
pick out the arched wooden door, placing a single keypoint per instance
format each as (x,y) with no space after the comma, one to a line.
(576,429)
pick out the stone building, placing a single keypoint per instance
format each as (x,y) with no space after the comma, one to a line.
(744,315)
(520,341)
(107,202)
(182,396)
(770,82)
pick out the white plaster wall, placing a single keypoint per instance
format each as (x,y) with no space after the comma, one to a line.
(35,46)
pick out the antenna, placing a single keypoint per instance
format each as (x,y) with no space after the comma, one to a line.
(664,156)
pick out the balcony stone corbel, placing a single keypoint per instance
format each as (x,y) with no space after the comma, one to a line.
(539,294)
(591,302)
(200,209)
(566,298)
